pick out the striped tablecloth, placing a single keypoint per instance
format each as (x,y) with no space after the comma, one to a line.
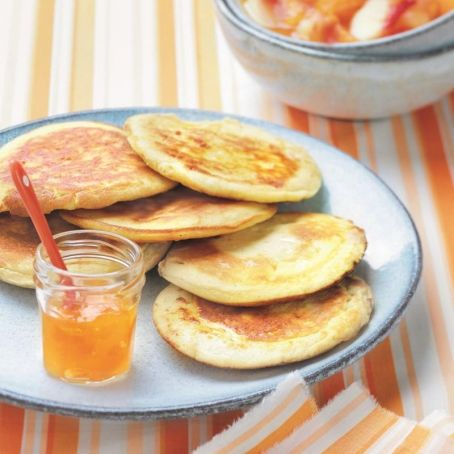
(67,55)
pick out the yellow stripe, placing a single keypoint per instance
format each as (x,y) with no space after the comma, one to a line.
(365,433)
(29,435)
(95,437)
(415,440)
(167,65)
(81,96)
(135,438)
(404,336)
(44,427)
(347,409)
(301,415)
(207,62)
(62,435)
(42,60)
(267,419)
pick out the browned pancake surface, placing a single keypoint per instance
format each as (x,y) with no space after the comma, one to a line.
(18,243)
(244,338)
(243,157)
(224,158)
(77,165)
(174,215)
(275,322)
(287,256)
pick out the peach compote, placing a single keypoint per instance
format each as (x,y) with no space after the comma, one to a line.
(341,21)
(88,311)
(90,341)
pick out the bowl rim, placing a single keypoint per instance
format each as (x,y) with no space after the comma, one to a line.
(335,51)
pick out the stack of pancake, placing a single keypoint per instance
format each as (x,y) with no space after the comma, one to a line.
(249,287)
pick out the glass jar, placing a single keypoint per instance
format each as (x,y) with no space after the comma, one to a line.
(89,312)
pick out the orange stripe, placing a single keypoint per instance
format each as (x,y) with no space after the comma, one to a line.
(382,378)
(167,63)
(220,421)
(332,422)
(451,98)
(411,371)
(405,340)
(83,54)
(135,438)
(303,414)
(42,56)
(297,119)
(446,128)
(195,433)
(436,164)
(370,146)
(343,137)
(207,62)
(95,441)
(273,413)
(414,441)
(30,432)
(436,315)
(62,435)
(11,427)
(328,388)
(174,437)
(365,433)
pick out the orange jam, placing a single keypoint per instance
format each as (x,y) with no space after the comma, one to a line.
(343,21)
(90,341)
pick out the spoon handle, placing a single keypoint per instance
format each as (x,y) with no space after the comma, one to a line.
(28,195)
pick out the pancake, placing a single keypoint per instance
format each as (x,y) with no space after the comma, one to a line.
(224,158)
(18,243)
(288,256)
(153,253)
(254,337)
(175,215)
(77,165)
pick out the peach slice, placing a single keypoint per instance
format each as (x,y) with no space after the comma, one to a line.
(377,18)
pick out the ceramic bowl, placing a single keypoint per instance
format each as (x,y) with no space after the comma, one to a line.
(334,83)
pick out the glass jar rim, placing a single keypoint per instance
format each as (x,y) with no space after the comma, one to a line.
(137,257)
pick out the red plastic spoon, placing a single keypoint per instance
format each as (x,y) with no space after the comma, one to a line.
(28,195)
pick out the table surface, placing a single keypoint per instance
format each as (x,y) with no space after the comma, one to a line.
(68,55)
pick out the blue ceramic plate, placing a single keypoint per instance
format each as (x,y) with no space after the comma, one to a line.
(163,383)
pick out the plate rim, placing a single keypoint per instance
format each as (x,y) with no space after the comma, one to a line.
(220,405)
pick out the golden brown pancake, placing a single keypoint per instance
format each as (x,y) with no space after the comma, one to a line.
(175,215)
(246,338)
(77,165)
(18,243)
(224,158)
(153,253)
(288,256)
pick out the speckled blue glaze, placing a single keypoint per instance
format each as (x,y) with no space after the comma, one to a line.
(164,383)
